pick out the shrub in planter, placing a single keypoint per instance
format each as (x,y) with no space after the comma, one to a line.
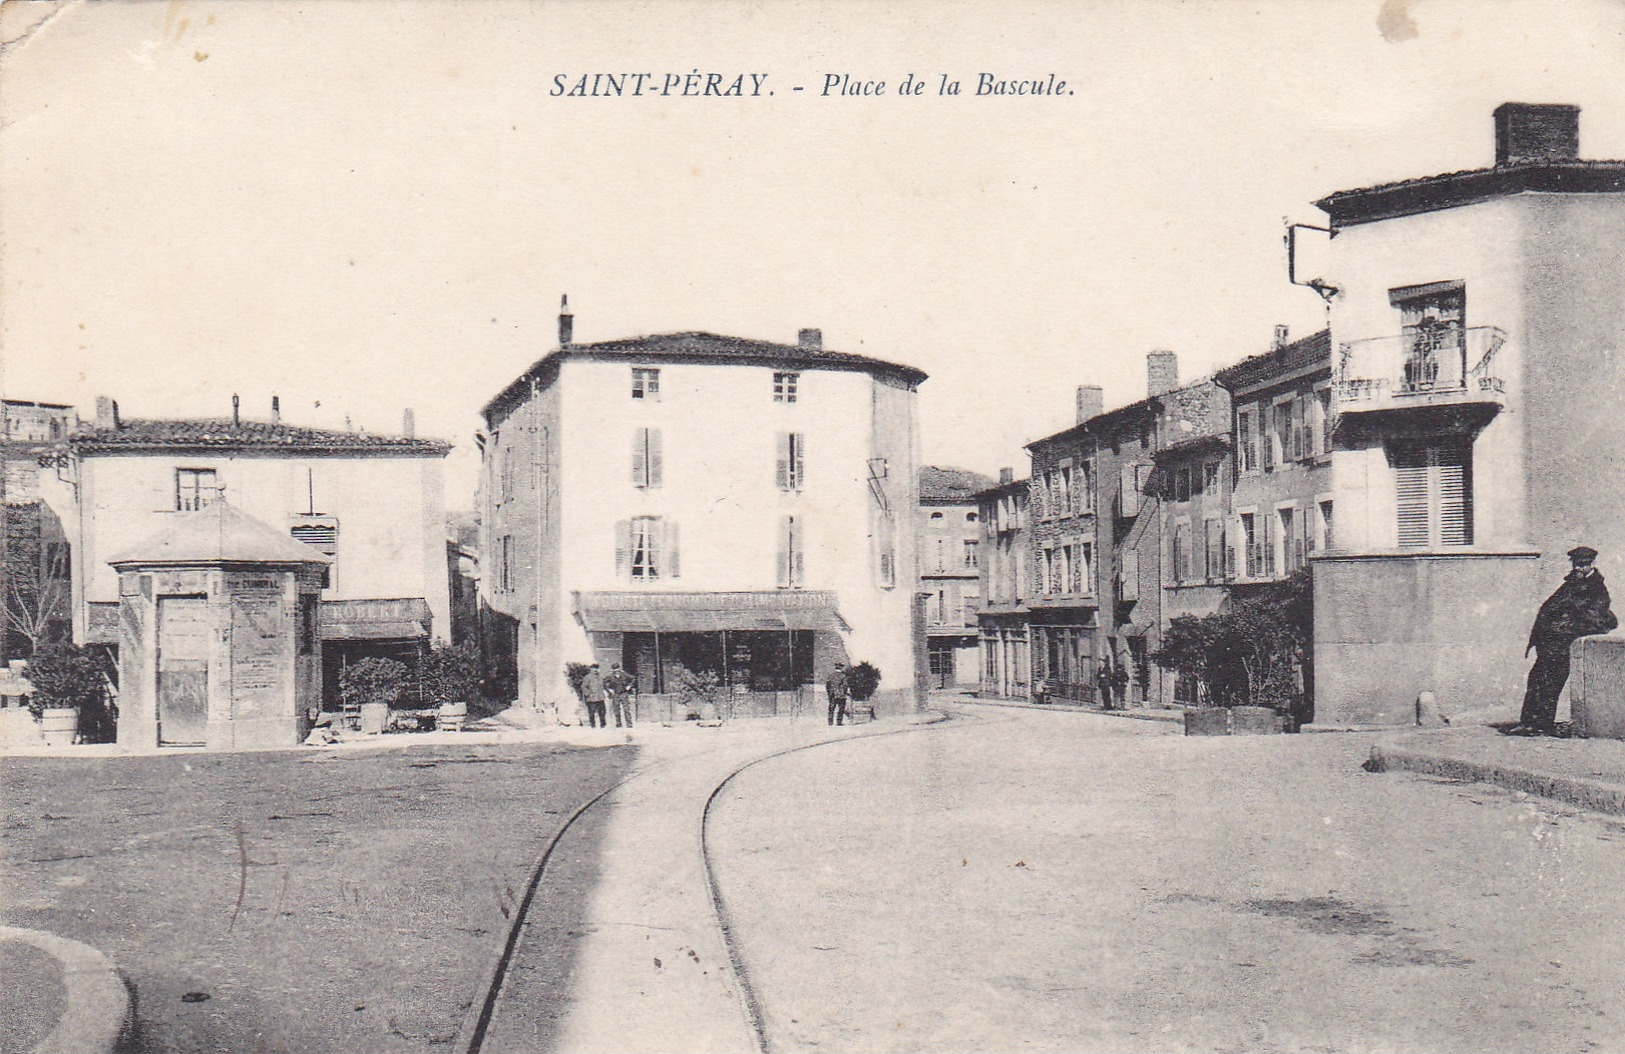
(67,681)
(451,674)
(372,681)
(863,680)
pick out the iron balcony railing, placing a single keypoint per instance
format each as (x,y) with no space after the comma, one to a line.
(1423,361)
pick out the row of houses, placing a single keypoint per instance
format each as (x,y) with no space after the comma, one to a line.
(1429,457)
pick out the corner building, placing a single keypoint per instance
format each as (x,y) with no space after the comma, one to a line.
(689,503)
(1478,373)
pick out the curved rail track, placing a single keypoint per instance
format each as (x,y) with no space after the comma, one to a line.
(477,1021)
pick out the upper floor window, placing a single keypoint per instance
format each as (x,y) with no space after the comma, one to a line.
(647,463)
(970,561)
(1210,479)
(1433,494)
(646,549)
(970,517)
(792,462)
(195,488)
(784,387)
(645,383)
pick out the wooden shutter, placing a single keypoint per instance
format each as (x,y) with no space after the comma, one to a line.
(1454,501)
(798,461)
(1300,428)
(784,551)
(651,449)
(640,457)
(672,551)
(782,476)
(623,549)
(1411,497)
(798,564)
(1130,491)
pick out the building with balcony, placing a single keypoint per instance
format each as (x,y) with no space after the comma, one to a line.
(696,506)
(371,506)
(1476,344)
(949,532)
(1007,583)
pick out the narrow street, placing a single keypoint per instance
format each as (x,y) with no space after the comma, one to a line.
(1056,881)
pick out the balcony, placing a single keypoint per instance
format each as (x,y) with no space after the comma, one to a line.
(1421,372)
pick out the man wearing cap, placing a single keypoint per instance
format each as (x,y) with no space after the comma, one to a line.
(1579,607)
(839,690)
(592,693)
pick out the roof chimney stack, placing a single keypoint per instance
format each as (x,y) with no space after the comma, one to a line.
(1006,475)
(1281,339)
(1091,402)
(1527,131)
(276,410)
(106,412)
(1161,373)
(567,321)
(236,415)
(409,424)
(811,339)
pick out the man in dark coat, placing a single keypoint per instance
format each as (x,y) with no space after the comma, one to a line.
(1578,608)
(839,690)
(620,687)
(592,693)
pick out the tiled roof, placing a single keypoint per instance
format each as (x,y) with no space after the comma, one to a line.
(225,434)
(1409,196)
(709,347)
(1304,353)
(951,484)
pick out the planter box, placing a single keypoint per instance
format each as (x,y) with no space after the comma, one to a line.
(59,725)
(1207,721)
(1254,721)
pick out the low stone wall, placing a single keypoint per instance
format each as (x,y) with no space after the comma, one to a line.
(1597,686)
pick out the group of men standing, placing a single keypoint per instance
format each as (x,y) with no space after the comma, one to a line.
(618,689)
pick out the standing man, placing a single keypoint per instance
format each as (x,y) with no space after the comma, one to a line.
(1103,683)
(1579,607)
(839,691)
(621,687)
(592,693)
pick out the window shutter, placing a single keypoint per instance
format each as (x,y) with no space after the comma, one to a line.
(798,568)
(623,549)
(656,467)
(798,461)
(640,457)
(784,551)
(673,567)
(1455,512)
(1299,428)
(782,477)
(1130,575)
(1269,424)
(1130,492)
(1411,497)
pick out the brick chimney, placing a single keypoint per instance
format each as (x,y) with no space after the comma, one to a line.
(409,424)
(1007,475)
(106,412)
(811,339)
(1527,131)
(1091,402)
(1161,373)
(567,321)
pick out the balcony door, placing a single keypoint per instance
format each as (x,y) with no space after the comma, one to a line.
(1435,339)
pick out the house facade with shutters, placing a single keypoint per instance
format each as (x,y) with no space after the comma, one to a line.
(1281,500)
(948,526)
(1007,585)
(693,504)
(372,505)
(1476,330)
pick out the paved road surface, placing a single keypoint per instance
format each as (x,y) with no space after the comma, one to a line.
(1021,880)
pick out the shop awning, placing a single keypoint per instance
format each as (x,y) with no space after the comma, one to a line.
(708,612)
(394,619)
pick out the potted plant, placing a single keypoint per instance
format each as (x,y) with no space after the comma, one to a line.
(372,686)
(863,680)
(574,673)
(450,676)
(699,691)
(65,678)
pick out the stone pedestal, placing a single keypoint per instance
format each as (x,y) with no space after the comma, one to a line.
(1597,686)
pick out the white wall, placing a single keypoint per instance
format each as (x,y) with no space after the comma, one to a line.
(390,510)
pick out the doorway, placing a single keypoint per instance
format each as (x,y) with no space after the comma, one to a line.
(183,671)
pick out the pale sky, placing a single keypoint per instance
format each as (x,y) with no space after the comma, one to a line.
(376,205)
